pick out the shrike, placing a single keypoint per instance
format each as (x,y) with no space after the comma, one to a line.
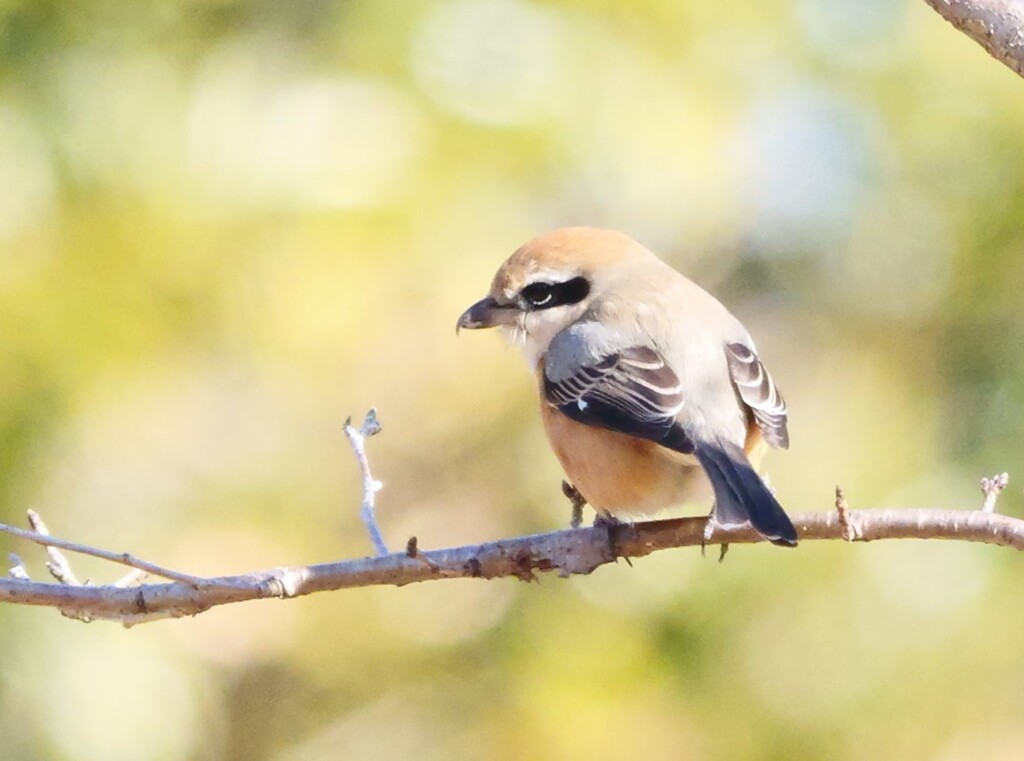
(650,389)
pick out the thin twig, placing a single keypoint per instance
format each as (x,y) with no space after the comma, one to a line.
(849,533)
(57,565)
(17,569)
(136,575)
(412,550)
(357,438)
(991,488)
(123,558)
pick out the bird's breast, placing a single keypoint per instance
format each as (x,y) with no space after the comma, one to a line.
(622,474)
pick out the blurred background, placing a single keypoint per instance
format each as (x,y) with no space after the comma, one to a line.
(226,226)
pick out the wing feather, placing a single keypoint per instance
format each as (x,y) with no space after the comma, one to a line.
(632,391)
(759,393)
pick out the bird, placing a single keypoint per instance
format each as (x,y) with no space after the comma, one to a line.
(652,394)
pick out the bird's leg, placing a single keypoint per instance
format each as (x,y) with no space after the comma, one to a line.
(577,500)
(709,530)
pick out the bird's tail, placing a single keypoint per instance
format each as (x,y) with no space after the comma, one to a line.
(740,494)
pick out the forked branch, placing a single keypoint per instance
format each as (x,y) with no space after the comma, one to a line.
(572,551)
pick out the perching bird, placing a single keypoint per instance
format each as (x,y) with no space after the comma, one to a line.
(650,389)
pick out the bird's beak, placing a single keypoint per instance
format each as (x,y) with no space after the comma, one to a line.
(487,313)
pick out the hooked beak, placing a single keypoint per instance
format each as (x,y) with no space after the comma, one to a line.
(486,313)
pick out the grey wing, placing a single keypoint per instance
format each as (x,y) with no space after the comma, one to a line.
(632,391)
(759,392)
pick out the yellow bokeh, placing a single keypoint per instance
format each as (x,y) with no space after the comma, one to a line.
(226,226)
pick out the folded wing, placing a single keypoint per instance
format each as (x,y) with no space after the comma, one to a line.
(759,393)
(632,391)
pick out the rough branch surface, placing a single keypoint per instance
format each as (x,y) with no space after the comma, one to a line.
(996,25)
(571,551)
(576,550)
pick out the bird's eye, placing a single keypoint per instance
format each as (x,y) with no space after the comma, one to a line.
(538,295)
(548,295)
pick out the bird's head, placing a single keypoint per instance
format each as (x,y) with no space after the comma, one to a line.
(550,282)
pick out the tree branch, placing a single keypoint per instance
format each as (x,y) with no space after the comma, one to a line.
(571,551)
(996,25)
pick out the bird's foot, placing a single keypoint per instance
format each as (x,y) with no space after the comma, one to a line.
(577,500)
(709,530)
(611,526)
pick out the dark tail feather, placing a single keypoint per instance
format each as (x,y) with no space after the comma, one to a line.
(741,496)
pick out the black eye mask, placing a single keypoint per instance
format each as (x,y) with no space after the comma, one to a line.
(547,295)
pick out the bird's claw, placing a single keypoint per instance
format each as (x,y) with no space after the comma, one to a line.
(709,530)
(611,525)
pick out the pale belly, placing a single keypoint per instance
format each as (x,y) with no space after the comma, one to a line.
(620,474)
